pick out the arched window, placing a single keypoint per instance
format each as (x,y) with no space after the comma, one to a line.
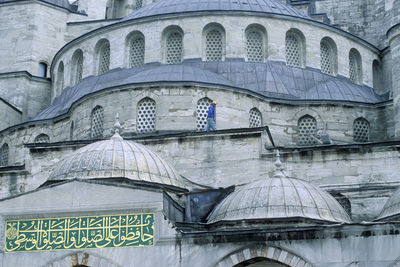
(255,118)
(255,44)
(328,53)
(307,129)
(60,77)
(139,4)
(202,110)
(97,121)
(361,130)
(136,50)
(214,45)
(103,57)
(77,67)
(295,48)
(377,73)
(173,46)
(355,67)
(4,155)
(42,70)
(42,138)
(146,116)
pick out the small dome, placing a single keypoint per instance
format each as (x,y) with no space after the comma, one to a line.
(279,198)
(176,7)
(391,208)
(117,158)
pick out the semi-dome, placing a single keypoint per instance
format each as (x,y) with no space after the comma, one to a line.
(279,198)
(391,210)
(117,158)
(175,7)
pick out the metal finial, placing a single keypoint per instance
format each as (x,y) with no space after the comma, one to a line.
(278,173)
(117,128)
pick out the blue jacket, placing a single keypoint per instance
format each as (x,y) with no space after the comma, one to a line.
(211,112)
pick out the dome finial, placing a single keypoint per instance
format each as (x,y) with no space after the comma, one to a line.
(278,172)
(117,128)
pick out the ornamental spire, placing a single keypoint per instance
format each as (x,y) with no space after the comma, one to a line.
(278,171)
(117,128)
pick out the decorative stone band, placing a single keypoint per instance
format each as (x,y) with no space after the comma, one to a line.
(263,251)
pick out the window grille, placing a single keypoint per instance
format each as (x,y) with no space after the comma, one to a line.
(255,46)
(60,77)
(97,122)
(174,48)
(104,61)
(353,68)
(146,116)
(326,58)
(4,155)
(307,129)
(139,4)
(136,58)
(255,119)
(202,110)
(293,57)
(361,130)
(214,45)
(78,68)
(42,138)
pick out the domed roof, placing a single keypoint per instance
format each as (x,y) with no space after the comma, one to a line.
(391,208)
(279,198)
(174,7)
(117,158)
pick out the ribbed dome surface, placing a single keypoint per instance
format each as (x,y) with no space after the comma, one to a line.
(279,198)
(117,158)
(174,7)
(392,206)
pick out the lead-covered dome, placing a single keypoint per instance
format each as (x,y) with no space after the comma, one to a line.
(279,198)
(117,158)
(175,7)
(391,210)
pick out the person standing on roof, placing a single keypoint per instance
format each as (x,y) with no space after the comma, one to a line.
(211,118)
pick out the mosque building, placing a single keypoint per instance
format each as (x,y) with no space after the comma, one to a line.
(104,161)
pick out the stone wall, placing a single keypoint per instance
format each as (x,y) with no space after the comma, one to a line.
(9,115)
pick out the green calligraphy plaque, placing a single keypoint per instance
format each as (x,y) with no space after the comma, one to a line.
(111,231)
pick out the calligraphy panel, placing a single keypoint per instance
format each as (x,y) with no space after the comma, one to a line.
(111,231)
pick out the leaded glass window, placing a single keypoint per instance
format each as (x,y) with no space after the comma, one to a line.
(293,51)
(97,120)
(42,138)
(104,60)
(214,45)
(174,48)
(361,130)
(146,116)
(136,53)
(307,130)
(255,119)
(255,45)
(4,155)
(326,58)
(202,110)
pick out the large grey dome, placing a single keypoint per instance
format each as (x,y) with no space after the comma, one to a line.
(279,198)
(174,7)
(117,158)
(391,208)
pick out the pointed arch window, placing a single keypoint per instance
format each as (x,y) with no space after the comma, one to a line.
(202,109)
(104,58)
(146,116)
(60,77)
(97,122)
(255,44)
(42,138)
(361,130)
(307,129)
(355,67)
(4,155)
(255,118)
(77,67)
(136,51)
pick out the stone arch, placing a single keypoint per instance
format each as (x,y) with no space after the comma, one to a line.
(355,66)
(262,251)
(295,48)
(172,44)
(214,42)
(82,259)
(102,56)
(135,49)
(251,46)
(76,67)
(328,52)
